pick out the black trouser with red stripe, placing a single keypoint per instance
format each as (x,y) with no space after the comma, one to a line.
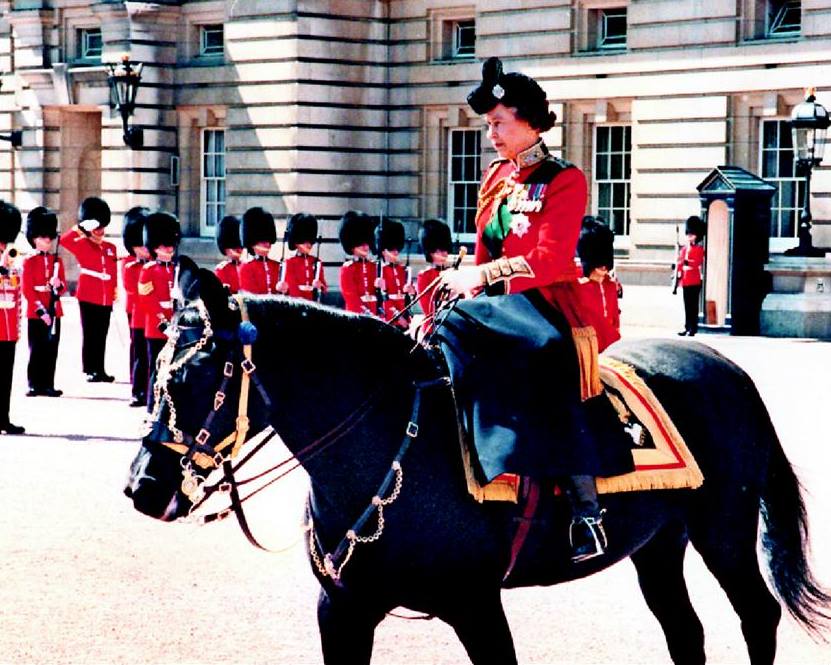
(139,373)
(43,354)
(95,324)
(691,297)
(154,347)
(6,368)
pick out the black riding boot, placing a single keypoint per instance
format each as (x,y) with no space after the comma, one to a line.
(586,533)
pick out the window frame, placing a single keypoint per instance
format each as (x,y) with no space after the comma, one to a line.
(204,29)
(596,182)
(82,35)
(473,185)
(773,32)
(458,25)
(206,229)
(602,17)
(781,242)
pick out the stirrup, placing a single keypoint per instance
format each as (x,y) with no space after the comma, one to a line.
(594,525)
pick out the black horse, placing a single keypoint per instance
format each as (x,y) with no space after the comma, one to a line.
(433,548)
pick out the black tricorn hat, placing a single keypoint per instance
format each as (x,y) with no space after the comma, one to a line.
(596,245)
(696,226)
(10,222)
(257,226)
(41,223)
(356,228)
(302,227)
(227,234)
(94,208)
(434,234)
(161,228)
(132,233)
(389,234)
(513,90)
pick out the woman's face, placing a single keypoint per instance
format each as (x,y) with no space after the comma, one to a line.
(509,134)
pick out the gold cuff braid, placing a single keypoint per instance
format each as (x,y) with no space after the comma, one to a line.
(505,269)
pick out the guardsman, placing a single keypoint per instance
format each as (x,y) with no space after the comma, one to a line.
(230,246)
(689,265)
(436,243)
(155,288)
(133,235)
(599,290)
(303,272)
(97,283)
(358,273)
(44,281)
(10,222)
(260,274)
(389,239)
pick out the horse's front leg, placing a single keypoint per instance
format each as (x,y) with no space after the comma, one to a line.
(347,629)
(480,623)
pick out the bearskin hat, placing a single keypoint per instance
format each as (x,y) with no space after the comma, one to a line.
(389,234)
(94,208)
(356,228)
(10,222)
(227,234)
(513,90)
(696,226)
(434,235)
(41,223)
(596,245)
(257,226)
(132,233)
(302,227)
(161,228)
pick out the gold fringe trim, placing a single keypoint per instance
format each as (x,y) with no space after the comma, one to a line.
(585,342)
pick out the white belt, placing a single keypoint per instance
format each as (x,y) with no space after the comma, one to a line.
(7,304)
(42,289)
(166,304)
(368,298)
(395,296)
(98,275)
(305,287)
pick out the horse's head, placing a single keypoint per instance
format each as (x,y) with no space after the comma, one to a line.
(194,424)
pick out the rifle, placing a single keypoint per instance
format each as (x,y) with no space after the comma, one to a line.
(53,292)
(317,294)
(379,293)
(676,268)
(282,275)
(408,298)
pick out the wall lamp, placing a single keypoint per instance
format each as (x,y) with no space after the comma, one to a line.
(124,80)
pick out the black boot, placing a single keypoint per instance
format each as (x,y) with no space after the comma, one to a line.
(585,534)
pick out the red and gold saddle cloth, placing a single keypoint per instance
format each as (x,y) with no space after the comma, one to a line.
(662,459)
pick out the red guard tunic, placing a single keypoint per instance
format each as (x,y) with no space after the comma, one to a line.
(130,271)
(154,296)
(301,271)
(228,273)
(602,310)
(10,306)
(545,216)
(38,269)
(357,283)
(259,275)
(98,279)
(690,260)
(395,279)
(424,279)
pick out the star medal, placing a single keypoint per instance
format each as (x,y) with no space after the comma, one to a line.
(520,224)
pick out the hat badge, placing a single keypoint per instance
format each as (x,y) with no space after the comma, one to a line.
(498,91)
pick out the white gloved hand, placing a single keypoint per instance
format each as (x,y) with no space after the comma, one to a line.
(89,225)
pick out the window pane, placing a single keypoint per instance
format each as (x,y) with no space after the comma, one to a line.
(617,139)
(602,169)
(604,195)
(603,139)
(617,167)
(770,134)
(464,171)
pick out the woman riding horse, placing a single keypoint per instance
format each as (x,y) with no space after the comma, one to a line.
(527,224)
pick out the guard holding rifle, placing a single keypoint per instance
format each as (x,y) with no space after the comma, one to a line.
(97,283)
(358,272)
(132,234)
(9,310)
(389,239)
(44,281)
(230,246)
(303,273)
(436,243)
(261,274)
(688,273)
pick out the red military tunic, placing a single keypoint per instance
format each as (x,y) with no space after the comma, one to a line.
(259,275)
(602,309)
(38,269)
(690,260)
(130,271)
(395,279)
(357,283)
(98,279)
(154,296)
(301,271)
(10,306)
(545,215)
(228,273)
(425,278)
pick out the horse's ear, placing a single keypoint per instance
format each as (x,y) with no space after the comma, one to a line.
(189,285)
(215,297)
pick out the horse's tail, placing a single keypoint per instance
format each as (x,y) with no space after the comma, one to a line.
(784,541)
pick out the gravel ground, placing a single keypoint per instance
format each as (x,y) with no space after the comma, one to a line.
(86,579)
